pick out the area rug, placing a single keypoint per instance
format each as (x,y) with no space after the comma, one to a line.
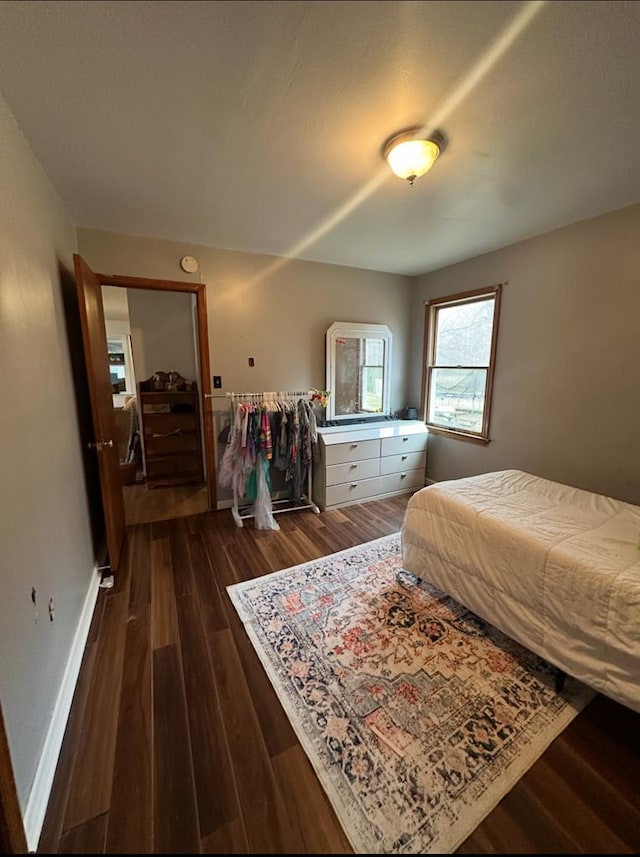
(417,716)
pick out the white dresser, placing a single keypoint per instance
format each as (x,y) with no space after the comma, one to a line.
(367,462)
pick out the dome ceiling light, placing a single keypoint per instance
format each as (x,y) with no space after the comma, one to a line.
(410,156)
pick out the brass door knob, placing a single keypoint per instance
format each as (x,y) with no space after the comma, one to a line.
(100,444)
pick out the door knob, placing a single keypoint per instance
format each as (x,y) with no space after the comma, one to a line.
(100,444)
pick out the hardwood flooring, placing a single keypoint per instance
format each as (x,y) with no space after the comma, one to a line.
(176,741)
(144,505)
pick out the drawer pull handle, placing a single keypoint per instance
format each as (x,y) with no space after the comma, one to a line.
(405,438)
(354,485)
(402,475)
(353,465)
(404,457)
(354,446)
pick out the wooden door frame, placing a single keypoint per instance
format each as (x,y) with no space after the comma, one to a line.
(199,290)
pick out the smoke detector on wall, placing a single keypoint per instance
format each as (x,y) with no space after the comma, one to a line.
(189,264)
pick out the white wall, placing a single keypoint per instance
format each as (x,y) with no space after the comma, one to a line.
(44,526)
(566,402)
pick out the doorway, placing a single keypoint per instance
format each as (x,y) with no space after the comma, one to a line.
(152,343)
(89,289)
(150,500)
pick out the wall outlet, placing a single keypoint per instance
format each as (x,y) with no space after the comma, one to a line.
(217,381)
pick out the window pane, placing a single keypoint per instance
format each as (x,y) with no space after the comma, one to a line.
(121,370)
(372,388)
(374,352)
(463,334)
(456,399)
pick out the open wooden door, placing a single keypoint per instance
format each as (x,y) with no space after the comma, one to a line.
(100,391)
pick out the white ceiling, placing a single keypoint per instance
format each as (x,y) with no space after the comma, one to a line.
(257,126)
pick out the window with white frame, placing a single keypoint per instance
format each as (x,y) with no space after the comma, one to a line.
(461,333)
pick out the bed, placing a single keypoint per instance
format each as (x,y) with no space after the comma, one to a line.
(556,568)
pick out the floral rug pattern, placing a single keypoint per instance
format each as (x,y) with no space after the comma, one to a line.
(417,716)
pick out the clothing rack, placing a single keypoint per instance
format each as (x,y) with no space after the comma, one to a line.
(272,401)
(257,397)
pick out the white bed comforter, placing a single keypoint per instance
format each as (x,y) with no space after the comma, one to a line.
(554,567)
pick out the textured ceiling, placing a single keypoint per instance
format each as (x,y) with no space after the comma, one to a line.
(257,126)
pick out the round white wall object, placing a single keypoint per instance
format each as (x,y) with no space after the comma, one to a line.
(189,264)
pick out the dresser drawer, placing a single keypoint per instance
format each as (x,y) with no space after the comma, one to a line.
(404,443)
(344,453)
(353,471)
(352,491)
(161,425)
(409,479)
(402,463)
(172,443)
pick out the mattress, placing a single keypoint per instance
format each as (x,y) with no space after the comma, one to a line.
(554,567)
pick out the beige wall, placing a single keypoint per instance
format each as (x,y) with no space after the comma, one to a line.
(274,310)
(115,304)
(566,402)
(44,526)
(162,333)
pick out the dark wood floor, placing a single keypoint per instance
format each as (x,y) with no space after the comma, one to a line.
(142,504)
(177,743)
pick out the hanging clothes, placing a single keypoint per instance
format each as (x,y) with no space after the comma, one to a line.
(279,431)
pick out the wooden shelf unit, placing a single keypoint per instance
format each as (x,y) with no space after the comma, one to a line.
(171,437)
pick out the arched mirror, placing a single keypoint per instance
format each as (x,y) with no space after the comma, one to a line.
(358,370)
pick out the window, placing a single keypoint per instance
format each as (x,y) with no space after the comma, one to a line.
(372,361)
(461,333)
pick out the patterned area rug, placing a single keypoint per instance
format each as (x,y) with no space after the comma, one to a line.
(416,715)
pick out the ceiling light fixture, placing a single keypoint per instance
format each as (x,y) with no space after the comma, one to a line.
(410,156)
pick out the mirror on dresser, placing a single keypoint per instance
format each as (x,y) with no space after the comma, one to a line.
(358,370)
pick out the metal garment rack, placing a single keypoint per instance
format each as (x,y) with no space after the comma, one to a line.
(286,505)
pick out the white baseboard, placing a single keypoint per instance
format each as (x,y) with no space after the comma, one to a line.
(41,790)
